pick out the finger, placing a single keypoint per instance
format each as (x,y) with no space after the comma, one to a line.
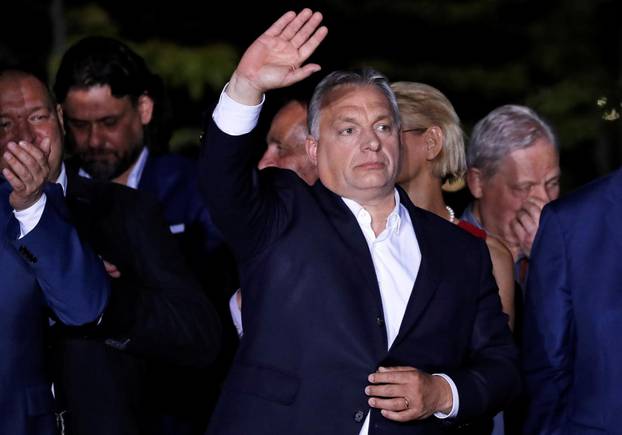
(15,165)
(396,404)
(277,27)
(396,369)
(536,201)
(45,147)
(16,184)
(299,74)
(400,416)
(525,218)
(294,26)
(30,157)
(312,43)
(307,30)
(386,390)
(391,377)
(35,152)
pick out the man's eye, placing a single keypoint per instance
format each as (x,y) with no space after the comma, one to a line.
(38,117)
(109,122)
(346,131)
(385,128)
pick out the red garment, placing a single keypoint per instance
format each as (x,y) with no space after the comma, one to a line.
(477,232)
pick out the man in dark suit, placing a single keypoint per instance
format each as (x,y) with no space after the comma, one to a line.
(117,129)
(573,314)
(362,313)
(156,312)
(44,264)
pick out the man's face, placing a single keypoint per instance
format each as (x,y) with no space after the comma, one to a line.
(28,114)
(286,143)
(106,132)
(358,148)
(528,174)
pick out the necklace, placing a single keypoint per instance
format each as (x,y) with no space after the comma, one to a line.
(452,215)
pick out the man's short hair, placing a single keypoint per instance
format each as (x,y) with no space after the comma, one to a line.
(422,106)
(357,78)
(101,61)
(504,130)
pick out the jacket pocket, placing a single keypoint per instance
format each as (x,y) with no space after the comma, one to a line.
(265,382)
(39,400)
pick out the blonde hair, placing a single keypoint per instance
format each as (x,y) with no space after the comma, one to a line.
(423,106)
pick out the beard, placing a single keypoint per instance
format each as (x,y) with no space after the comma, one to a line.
(106,165)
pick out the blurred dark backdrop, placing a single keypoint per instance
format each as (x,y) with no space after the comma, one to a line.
(558,56)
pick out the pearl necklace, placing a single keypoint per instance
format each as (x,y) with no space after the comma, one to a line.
(452,215)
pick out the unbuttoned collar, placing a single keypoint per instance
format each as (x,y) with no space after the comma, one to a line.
(364,218)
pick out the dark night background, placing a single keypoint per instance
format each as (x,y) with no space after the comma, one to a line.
(557,56)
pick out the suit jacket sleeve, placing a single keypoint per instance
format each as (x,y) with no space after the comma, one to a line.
(490,378)
(249,216)
(71,276)
(549,331)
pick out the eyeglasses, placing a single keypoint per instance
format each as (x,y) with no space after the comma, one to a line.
(419,130)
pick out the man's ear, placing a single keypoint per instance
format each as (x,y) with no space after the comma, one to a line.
(433,140)
(475,180)
(145,108)
(311,147)
(61,120)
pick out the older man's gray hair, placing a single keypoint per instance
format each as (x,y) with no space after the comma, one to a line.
(363,77)
(504,130)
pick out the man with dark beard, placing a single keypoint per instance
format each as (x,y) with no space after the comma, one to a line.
(115,117)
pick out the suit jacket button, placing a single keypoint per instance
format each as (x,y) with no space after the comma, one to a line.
(359,416)
(380,321)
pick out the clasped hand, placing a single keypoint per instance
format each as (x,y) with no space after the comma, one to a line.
(26,169)
(405,393)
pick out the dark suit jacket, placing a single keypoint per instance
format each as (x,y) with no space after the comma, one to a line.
(313,318)
(157,313)
(573,314)
(49,267)
(173,180)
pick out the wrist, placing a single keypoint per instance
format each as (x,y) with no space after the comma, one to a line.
(242,91)
(444,402)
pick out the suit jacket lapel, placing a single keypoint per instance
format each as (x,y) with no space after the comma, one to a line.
(348,230)
(429,274)
(614,198)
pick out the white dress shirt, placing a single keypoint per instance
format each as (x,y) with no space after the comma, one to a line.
(28,218)
(395,252)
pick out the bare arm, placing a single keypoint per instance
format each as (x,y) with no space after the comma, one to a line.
(503,271)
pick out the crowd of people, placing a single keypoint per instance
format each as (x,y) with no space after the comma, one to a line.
(324,287)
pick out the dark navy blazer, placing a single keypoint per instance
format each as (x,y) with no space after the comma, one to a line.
(313,317)
(49,268)
(573,314)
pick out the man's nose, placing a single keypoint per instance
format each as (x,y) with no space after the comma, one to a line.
(539,191)
(25,132)
(371,140)
(95,139)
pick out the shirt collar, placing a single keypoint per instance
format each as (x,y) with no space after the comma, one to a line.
(62,178)
(362,216)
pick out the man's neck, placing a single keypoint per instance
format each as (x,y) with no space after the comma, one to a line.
(379,210)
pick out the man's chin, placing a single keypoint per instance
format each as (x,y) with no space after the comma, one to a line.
(101,171)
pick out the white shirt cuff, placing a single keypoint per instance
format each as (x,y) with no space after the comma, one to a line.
(28,218)
(235,118)
(454,396)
